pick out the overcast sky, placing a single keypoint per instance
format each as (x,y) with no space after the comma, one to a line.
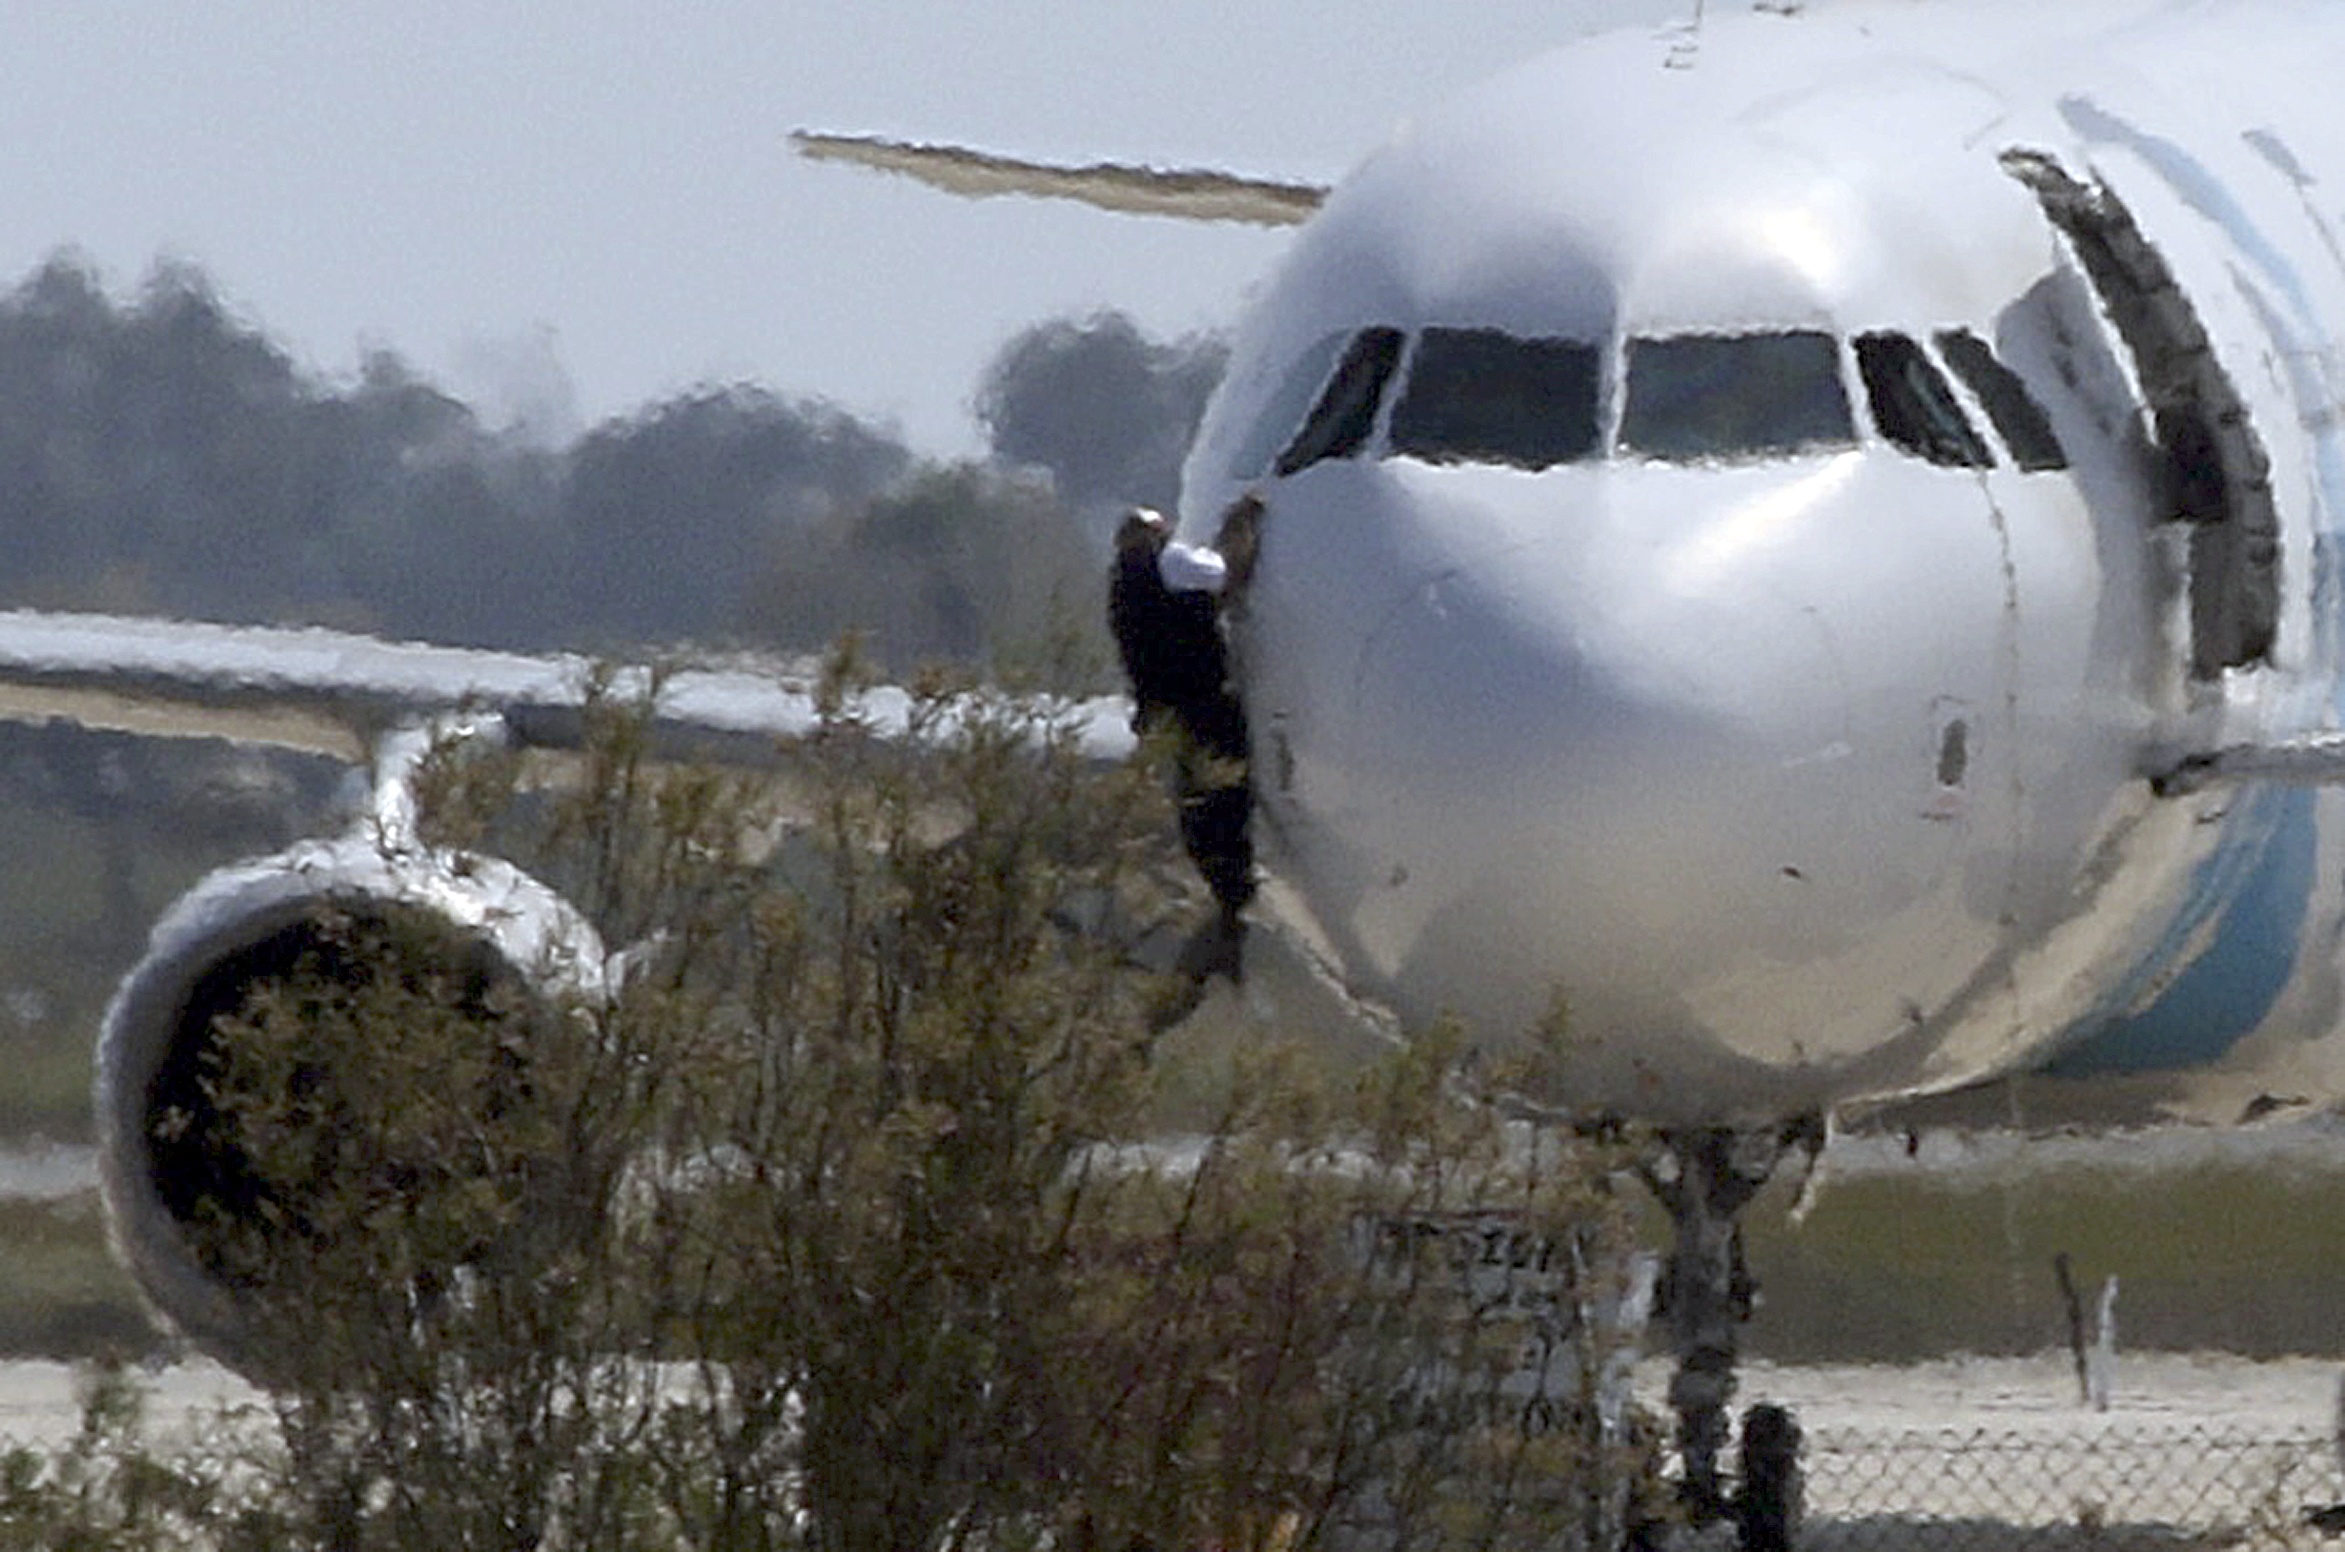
(562,211)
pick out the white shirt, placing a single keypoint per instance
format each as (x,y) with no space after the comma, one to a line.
(1191,568)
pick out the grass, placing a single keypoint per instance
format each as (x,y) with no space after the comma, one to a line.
(61,1293)
(1888,1268)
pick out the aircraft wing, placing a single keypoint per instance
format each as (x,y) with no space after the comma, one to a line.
(336,691)
(1189,193)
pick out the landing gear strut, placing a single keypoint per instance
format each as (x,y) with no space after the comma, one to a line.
(1705,1177)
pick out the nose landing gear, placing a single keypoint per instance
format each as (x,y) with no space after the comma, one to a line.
(1705,1177)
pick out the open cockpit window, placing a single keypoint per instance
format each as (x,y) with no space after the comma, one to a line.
(1345,416)
(2019,420)
(1691,397)
(1913,404)
(1486,396)
(1284,410)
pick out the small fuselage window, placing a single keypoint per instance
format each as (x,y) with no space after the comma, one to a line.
(1696,397)
(1914,406)
(2018,418)
(1486,396)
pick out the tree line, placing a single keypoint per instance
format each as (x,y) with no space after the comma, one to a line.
(161,454)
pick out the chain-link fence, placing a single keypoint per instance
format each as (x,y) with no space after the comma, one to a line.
(2116,1482)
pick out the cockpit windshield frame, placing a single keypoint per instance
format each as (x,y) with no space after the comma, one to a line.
(1489,397)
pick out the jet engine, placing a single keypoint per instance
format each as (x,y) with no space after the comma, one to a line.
(510,958)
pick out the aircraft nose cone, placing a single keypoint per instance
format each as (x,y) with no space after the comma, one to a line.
(1613,791)
(1654,761)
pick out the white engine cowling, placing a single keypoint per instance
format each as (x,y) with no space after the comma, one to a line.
(236,931)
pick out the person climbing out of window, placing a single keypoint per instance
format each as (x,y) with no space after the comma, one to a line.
(1164,607)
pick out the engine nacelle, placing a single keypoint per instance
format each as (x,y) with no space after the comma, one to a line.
(164,1159)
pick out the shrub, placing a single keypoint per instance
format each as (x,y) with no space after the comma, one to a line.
(842,1222)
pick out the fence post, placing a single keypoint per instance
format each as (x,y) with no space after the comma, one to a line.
(2104,1358)
(2340,1423)
(2077,1348)
(1769,1506)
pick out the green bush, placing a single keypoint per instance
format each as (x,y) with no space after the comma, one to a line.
(841,1222)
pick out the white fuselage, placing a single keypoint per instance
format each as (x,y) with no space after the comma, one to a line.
(1667,608)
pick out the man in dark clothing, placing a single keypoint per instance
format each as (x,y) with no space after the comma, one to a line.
(1170,640)
(1174,657)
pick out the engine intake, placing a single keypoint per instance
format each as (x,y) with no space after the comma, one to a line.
(504,954)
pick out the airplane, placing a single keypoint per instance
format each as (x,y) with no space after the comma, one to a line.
(1809,544)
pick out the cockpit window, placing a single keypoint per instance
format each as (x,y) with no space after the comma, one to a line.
(1913,404)
(1345,415)
(1283,411)
(2018,418)
(1697,396)
(1486,396)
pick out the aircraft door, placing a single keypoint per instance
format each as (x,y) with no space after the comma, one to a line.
(2213,470)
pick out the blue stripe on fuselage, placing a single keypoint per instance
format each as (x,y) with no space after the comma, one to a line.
(2245,917)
